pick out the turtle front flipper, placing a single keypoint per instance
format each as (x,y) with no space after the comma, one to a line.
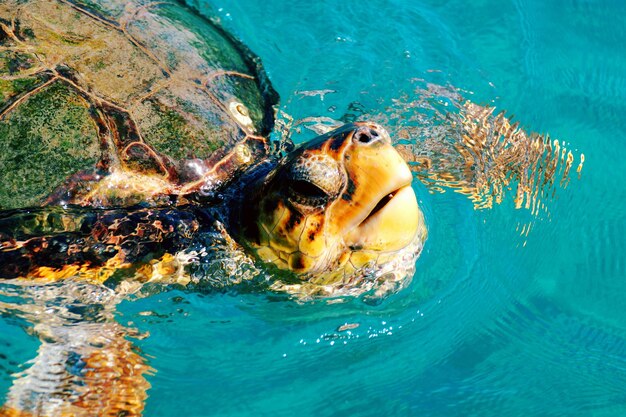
(53,243)
(486,155)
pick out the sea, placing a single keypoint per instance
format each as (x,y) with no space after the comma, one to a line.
(512,311)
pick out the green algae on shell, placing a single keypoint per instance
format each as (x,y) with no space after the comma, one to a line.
(94,94)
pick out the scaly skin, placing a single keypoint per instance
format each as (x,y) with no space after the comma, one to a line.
(337,206)
(52,244)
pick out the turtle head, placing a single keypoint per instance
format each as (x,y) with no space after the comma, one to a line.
(337,207)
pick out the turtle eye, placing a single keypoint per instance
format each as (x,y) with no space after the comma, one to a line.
(312,180)
(307,193)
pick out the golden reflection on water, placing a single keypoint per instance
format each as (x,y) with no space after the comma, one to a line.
(85,365)
(480,153)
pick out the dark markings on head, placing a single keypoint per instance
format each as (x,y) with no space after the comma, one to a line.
(298,262)
(350,189)
(337,142)
(314,231)
(292,221)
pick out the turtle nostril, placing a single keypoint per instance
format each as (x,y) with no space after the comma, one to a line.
(366,135)
(361,137)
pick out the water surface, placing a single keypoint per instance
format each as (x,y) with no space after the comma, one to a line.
(497,322)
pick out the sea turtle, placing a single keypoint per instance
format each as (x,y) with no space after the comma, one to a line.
(160,120)
(134,148)
(134,142)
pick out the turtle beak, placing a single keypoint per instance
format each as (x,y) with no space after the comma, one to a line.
(384,212)
(391,225)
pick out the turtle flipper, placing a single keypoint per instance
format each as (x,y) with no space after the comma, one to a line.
(53,243)
(488,155)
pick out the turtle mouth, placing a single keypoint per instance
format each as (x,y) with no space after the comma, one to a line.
(391,204)
(392,224)
(381,204)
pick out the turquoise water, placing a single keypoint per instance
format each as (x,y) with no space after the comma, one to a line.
(495,322)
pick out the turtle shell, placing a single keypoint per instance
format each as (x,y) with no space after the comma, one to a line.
(115,102)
